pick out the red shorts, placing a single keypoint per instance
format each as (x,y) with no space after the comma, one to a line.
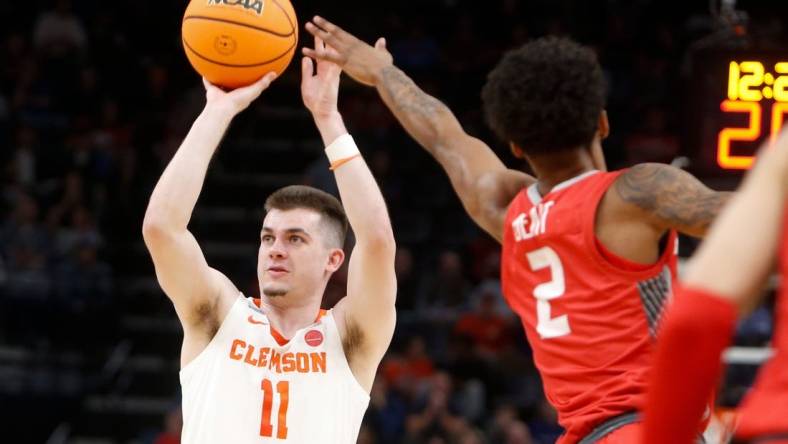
(629,434)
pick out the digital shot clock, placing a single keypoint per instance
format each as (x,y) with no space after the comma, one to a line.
(738,102)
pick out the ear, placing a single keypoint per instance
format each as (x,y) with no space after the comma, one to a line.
(336,258)
(604,125)
(516,150)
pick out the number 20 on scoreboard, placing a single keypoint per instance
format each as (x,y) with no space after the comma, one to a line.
(750,87)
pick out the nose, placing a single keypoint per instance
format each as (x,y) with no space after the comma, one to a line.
(277,250)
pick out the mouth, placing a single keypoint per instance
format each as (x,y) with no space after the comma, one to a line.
(277,271)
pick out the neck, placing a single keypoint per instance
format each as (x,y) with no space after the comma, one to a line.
(287,316)
(552,169)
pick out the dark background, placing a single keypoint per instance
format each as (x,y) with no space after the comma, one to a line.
(95,97)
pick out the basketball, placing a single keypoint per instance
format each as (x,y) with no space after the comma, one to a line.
(233,43)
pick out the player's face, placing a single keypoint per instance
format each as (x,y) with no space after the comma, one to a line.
(294,256)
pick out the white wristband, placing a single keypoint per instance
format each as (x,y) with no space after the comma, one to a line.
(342,148)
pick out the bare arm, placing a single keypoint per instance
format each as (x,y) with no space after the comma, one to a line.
(670,198)
(739,254)
(481,180)
(194,288)
(483,183)
(367,314)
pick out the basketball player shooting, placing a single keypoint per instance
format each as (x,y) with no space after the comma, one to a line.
(589,256)
(278,369)
(724,279)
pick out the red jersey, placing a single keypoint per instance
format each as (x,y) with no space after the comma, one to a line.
(763,410)
(590,316)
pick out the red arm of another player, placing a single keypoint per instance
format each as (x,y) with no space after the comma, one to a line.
(738,255)
(724,278)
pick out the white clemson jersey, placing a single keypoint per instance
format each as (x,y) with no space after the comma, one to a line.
(248,386)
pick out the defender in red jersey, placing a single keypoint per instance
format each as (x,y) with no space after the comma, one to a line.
(726,278)
(588,256)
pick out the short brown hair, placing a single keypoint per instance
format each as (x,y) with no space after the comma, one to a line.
(300,196)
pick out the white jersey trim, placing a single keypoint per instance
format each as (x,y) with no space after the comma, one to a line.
(536,197)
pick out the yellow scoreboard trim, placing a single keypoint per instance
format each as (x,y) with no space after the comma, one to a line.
(749,84)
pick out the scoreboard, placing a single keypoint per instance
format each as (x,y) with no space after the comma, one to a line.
(738,103)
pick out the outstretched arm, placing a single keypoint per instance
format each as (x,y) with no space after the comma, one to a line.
(482,181)
(366,315)
(195,289)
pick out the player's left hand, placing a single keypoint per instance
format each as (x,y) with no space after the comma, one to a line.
(320,89)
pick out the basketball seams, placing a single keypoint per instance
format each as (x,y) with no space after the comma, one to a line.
(259,47)
(230,65)
(287,16)
(245,25)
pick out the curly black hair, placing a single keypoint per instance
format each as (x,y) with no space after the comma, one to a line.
(545,96)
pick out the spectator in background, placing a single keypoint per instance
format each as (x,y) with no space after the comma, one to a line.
(71,197)
(27,248)
(386,412)
(447,290)
(413,368)
(518,433)
(544,426)
(59,31)
(81,231)
(407,279)
(23,162)
(489,331)
(437,420)
(488,266)
(82,280)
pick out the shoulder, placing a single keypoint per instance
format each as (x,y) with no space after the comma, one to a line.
(643,183)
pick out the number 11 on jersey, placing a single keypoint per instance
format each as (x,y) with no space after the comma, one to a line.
(266,426)
(548,327)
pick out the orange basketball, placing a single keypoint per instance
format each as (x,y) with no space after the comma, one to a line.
(233,43)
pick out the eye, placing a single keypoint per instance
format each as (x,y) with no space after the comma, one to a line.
(296,239)
(267,239)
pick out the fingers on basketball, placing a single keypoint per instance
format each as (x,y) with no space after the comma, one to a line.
(256,88)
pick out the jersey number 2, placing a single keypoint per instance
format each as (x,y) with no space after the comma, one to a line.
(547,326)
(266,427)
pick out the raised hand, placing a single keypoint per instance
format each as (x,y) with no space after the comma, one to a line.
(238,99)
(359,60)
(320,89)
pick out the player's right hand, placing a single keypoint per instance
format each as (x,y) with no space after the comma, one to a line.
(238,99)
(359,60)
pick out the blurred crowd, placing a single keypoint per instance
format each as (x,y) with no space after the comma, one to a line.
(95,97)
